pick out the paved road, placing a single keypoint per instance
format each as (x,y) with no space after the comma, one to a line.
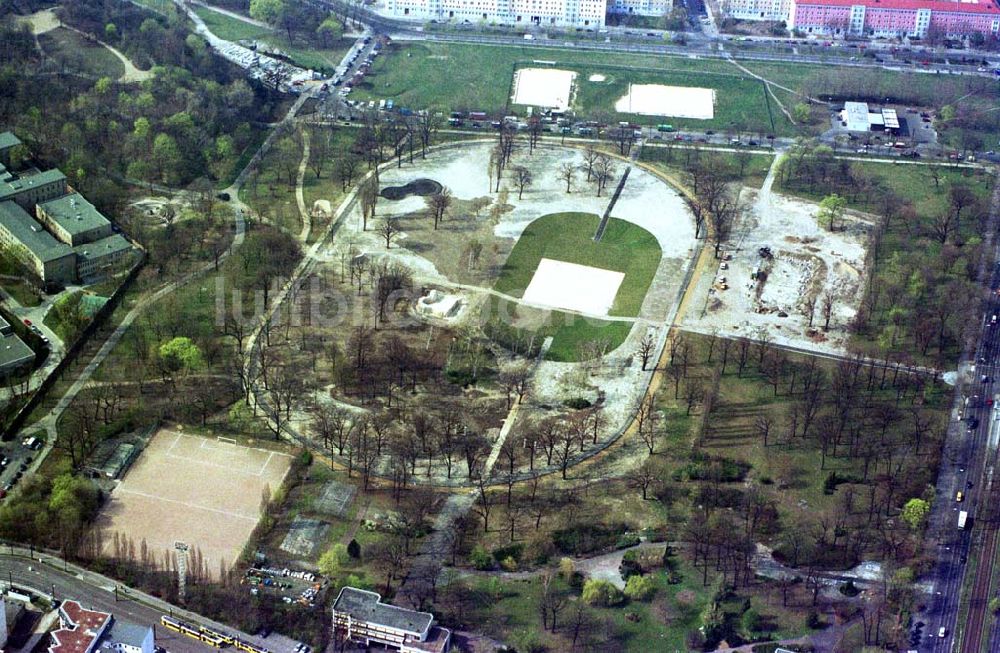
(968,458)
(621,40)
(53,577)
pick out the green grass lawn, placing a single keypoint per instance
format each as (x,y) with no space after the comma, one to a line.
(162,6)
(229,28)
(478,77)
(911,182)
(303,54)
(746,167)
(573,332)
(510,611)
(77,53)
(568,237)
(24,294)
(740,102)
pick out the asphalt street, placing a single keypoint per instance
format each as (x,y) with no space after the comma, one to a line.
(57,579)
(625,40)
(969,457)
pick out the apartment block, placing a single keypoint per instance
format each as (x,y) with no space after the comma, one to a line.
(894,18)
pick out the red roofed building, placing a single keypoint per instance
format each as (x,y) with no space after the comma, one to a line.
(79,629)
(89,631)
(894,18)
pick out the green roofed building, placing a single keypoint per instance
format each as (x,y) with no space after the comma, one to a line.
(14,354)
(8,142)
(29,190)
(103,256)
(67,239)
(27,240)
(73,220)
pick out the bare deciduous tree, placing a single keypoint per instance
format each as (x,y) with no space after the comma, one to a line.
(567,173)
(522,179)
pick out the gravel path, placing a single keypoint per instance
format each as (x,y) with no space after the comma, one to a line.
(300,199)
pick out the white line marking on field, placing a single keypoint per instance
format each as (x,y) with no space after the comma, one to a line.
(177,437)
(193,506)
(228,468)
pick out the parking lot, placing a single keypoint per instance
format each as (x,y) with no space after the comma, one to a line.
(15,457)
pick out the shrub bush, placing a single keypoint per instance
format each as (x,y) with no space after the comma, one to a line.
(481,559)
(728,470)
(640,588)
(629,568)
(581,539)
(577,403)
(511,551)
(627,540)
(601,593)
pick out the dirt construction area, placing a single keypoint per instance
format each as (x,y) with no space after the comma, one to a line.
(783,265)
(202,491)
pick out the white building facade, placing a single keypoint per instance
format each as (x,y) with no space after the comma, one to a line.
(573,13)
(764,10)
(641,7)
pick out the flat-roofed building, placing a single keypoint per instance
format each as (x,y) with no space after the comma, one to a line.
(125,637)
(29,190)
(8,142)
(895,18)
(73,220)
(104,256)
(14,355)
(91,631)
(25,238)
(577,13)
(360,616)
(762,10)
(640,7)
(855,114)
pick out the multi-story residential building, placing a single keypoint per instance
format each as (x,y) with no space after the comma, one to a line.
(640,7)
(776,10)
(576,13)
(360,616)
(895,18)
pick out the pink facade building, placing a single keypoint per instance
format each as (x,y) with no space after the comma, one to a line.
(894,17)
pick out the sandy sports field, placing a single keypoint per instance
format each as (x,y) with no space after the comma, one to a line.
(197,490)
(670,101)
(581,288)
(543,87)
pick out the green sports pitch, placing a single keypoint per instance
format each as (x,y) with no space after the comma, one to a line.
(625,247)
